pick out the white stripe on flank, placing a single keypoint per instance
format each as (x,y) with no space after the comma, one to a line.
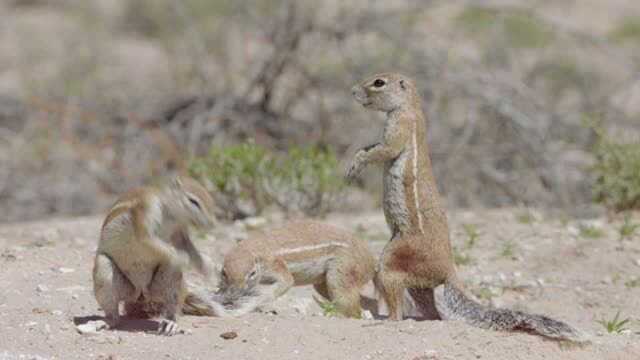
(309,248)
(415,174)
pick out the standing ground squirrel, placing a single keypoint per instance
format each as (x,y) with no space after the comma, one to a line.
(262,268)
(144,247)
(419,257)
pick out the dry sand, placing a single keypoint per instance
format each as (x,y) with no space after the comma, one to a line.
(544,265)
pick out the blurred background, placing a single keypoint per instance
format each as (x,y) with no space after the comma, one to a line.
(531,103)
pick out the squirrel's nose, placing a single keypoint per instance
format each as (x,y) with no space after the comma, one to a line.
(357,92)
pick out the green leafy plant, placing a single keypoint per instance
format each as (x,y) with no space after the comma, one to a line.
(248,176)
(633,283)
(472,234)
(627,31)
(461,258)
(329,308)
(617,171)
(615,325)
(628,228)
(525,217)
(484,293)
(591,232)
(508,250)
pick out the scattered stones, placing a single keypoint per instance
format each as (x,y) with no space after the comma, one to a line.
(573,230)
(91,327)
(252,223)
(42,288)
(8,256)
(64,270)
(72,289)
(229,335)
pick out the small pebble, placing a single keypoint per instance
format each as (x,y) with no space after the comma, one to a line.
(42,288)
(229,335)
(91,327)
(254,222)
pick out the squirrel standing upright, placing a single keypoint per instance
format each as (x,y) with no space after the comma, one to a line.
(419,256)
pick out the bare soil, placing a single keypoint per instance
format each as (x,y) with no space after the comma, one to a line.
(576,271)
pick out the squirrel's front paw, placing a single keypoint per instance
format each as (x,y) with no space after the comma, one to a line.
(356,166)
(353,172)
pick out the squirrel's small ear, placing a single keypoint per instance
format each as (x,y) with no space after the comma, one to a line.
(402,85)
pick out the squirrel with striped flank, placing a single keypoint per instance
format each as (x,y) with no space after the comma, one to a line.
(419,257)
(265,266)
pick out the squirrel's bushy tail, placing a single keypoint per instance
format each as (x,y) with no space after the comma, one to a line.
(203,302)
(199,302)
(453,304)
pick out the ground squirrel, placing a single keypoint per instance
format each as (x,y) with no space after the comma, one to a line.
(144,247)
(262,268)
(419,257)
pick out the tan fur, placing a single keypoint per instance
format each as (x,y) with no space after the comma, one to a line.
(265,266)
(419,253)
(144,246)
(418,257)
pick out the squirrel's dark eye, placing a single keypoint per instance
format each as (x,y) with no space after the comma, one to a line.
(194,202)
(379,83)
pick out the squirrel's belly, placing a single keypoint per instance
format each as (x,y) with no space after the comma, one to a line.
(394,202)
(309,271)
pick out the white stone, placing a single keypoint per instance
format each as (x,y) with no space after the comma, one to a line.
(91,327)
(255,222)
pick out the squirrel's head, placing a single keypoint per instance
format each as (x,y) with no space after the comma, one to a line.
(191,202)
(240,277)
(385,92)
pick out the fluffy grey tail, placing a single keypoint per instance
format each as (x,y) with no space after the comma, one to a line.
(453,304)
(203,302)
(200,302)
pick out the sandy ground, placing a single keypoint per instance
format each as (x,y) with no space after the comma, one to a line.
(544,264)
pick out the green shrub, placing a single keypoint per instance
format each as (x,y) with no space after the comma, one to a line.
(520,28)
(627,31)
(617,173)
(248,178)
(616,325)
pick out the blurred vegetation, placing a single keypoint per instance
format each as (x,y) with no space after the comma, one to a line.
(628,30)
(249,178)
(97,97)
(520,28)
(617,171)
